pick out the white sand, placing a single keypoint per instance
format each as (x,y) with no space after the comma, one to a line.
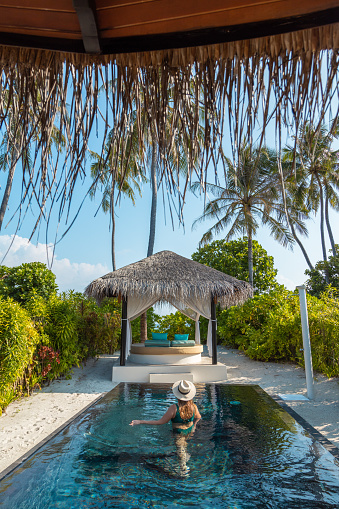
(30,420)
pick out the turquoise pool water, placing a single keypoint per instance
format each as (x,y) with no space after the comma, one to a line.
(246,453)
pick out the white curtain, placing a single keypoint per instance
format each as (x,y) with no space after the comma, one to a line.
(136,306)
(194,308)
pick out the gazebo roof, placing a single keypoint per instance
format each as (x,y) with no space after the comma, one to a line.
(111,26)
(167,276)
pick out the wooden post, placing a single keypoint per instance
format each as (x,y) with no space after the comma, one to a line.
(214,332)
(123,331)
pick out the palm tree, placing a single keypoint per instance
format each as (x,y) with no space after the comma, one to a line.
(316,174)
(110,174)
(250,196)
(178,158)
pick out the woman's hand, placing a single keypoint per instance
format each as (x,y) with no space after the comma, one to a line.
(134,423)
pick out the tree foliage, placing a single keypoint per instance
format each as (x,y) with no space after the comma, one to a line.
(325,275)
(268,328)
(231,258)
(28,279)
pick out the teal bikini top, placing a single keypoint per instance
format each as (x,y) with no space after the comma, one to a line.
(178,419)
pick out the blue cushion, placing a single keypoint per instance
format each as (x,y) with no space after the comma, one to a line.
(181,337)
(154,342)
(159,336)
(183,343)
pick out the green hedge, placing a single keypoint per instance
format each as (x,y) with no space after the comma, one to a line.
(44,338)
(18,341)
(268,328)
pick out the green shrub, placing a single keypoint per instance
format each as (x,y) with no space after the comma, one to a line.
(176,323)
(18,340)
(22,282)
(268,328)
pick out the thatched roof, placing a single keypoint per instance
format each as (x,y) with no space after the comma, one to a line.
(168,276)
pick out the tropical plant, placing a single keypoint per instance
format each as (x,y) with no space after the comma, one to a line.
(314,164)
(178,160)
(111,174)
(18,340)
(232,258)
(324,276)
(28,279)
(268,328)
(250,195)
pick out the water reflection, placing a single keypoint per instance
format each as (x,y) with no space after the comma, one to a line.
(245,453)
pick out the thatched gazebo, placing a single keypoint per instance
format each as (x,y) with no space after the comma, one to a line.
(194,289)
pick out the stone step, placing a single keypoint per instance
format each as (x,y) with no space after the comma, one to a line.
(163,378)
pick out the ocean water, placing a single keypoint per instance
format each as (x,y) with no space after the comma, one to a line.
(246,452)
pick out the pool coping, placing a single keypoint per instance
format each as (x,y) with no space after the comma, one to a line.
(331,448)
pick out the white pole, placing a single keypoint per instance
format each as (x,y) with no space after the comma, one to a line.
(306,342)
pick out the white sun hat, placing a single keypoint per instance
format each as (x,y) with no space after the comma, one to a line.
(184,390)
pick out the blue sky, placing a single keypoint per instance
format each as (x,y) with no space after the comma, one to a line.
(85,252)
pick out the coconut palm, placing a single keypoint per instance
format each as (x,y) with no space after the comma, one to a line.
(250,197)
(113,178)
(316,174)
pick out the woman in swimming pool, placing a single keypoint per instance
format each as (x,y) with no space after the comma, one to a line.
(184,416)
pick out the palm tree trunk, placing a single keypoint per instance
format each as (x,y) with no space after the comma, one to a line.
(303,250)
(154,199)
(322,229)
(113,229)
(151,239)
(250,257)
(7,193)
(329,229)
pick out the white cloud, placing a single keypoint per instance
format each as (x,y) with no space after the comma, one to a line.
(69,275)
(290,285)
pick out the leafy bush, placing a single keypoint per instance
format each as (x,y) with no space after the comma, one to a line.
(176,323)
(22,282)
(18,340)
(268,328)
(99,326)
(232,258)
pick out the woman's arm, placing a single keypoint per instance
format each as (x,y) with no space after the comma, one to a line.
(197,415)
(164,419)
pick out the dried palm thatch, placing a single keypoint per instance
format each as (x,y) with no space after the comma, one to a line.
(291,78)
(167,276)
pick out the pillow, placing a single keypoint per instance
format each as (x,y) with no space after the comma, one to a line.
(181,337)
(177,342)
(155,342)
(159,336)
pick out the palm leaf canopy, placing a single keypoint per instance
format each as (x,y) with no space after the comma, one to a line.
(167,277)
(76,64)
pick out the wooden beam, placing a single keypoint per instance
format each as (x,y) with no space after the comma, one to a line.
(85,10)
(123,331)
(214,331)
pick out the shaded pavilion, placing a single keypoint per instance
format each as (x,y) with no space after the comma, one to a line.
(193,288)
(56,55)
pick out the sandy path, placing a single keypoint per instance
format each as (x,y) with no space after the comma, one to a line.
(30,420)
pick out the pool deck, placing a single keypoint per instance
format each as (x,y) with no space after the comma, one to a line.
(30,420)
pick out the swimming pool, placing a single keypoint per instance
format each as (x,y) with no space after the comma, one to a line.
(247,452)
